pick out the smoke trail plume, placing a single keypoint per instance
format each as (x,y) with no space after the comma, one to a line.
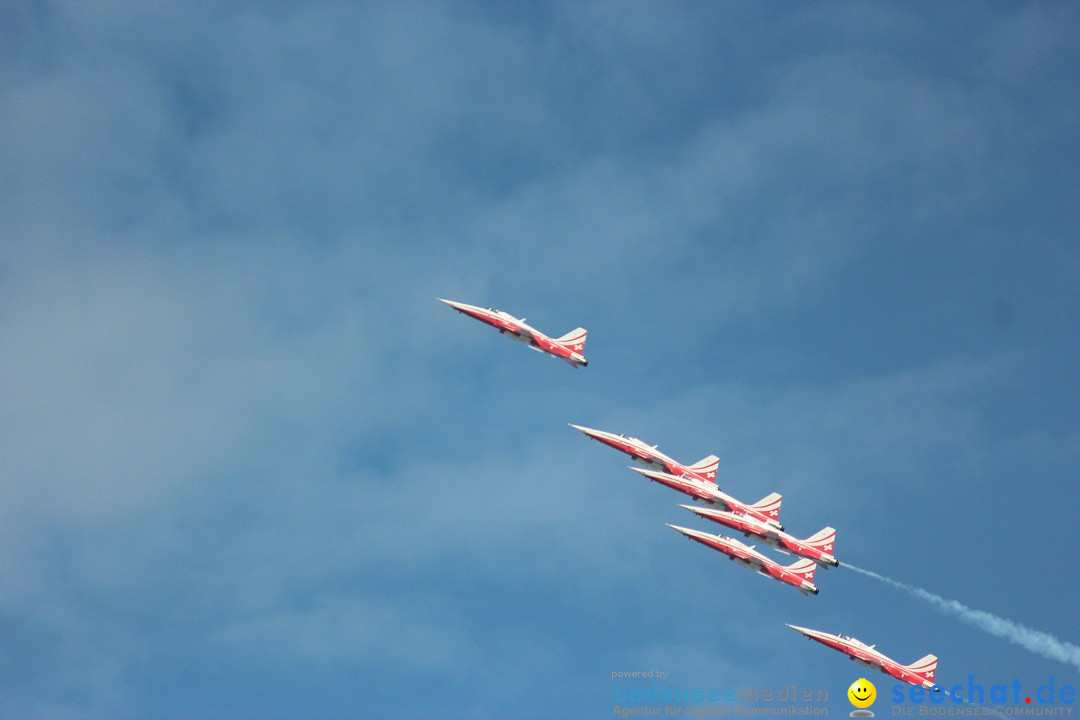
(1036,641)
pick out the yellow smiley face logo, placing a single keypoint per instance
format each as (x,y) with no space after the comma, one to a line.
(862,693)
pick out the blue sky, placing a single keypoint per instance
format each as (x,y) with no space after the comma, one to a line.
(250,468)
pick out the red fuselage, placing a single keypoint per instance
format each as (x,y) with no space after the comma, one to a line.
(920,673)
(753,528)
(649,455)
(748,557)
(569,348)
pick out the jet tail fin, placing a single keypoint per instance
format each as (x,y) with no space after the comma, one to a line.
(824,540)
(926,668)
(706,466)
(804,568)
(574,340)
(769,505)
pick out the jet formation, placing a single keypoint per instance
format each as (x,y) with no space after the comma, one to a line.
(759,521)
(817,547)
(799,574)
(765,510)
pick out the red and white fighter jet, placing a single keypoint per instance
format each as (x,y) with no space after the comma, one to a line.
(921,672)
(799,574)
(818,547)
(765,510)
(704,469)
(569,347)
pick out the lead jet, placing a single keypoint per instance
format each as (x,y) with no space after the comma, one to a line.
(766,510)
(818,547)
(921,672)
(703,470)
(569,347)
(799,574)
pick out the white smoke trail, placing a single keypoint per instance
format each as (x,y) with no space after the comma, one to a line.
(1036,641)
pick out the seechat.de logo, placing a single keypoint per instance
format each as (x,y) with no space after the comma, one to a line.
(862,695)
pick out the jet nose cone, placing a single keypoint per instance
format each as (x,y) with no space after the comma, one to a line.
(584,362)
(453,304)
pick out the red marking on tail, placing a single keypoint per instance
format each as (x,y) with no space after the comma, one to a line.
(574,340)
(707,467)
(803,568)
(823,540)
(769,505)
(926,668)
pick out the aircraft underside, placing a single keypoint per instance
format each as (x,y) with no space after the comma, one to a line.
(872,666)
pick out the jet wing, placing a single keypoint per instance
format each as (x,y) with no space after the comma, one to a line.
(866,657)
(767,532)
(677,483)
(511,324)
(526,333)
(746,554)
